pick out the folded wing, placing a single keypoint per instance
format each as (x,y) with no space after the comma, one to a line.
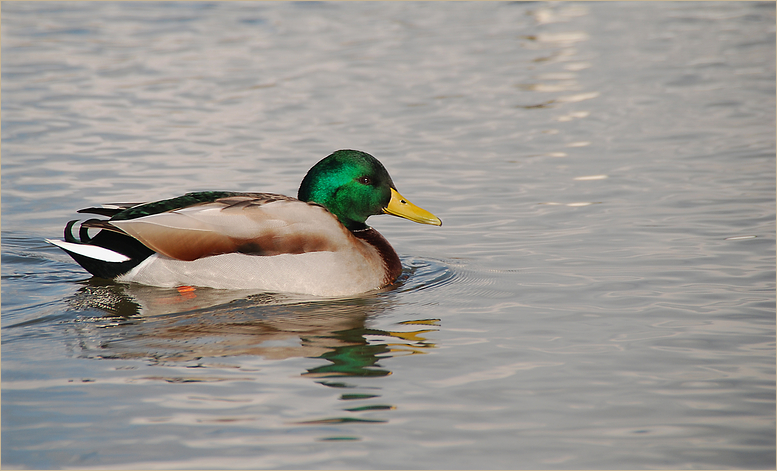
(242,224)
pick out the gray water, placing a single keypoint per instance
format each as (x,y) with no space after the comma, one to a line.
(601,294)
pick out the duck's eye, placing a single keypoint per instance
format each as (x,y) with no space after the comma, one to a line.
(365,180)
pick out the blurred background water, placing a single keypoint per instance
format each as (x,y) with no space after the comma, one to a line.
(601,294)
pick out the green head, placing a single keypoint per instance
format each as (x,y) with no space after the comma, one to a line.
(353,186)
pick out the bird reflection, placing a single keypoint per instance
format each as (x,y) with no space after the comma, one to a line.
(187,324)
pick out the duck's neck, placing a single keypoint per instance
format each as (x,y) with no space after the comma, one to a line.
(387,254)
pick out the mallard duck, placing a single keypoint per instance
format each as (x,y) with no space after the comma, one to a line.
(317,243)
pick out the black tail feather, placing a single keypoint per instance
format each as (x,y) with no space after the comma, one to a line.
(115,241)
(69,233)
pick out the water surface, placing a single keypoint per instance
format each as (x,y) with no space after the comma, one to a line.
(601,294)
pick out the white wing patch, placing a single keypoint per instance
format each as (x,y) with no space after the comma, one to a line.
(91,251)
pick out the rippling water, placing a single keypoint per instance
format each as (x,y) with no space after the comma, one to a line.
(601,295)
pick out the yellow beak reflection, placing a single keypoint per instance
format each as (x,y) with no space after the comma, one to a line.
(399,206)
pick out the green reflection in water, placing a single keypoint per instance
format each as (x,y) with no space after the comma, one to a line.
(351,397)
(366,408)
(342,420)
(358,358)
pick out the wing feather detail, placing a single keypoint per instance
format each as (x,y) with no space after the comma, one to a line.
(240,224)
(109,209)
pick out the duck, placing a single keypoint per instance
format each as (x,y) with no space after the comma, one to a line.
(315,244)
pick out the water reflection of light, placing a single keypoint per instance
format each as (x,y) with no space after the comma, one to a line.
(557,47)
(558,14)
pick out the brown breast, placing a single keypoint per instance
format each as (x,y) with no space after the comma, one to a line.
(387,254)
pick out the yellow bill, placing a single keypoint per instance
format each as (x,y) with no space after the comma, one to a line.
(399,206)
